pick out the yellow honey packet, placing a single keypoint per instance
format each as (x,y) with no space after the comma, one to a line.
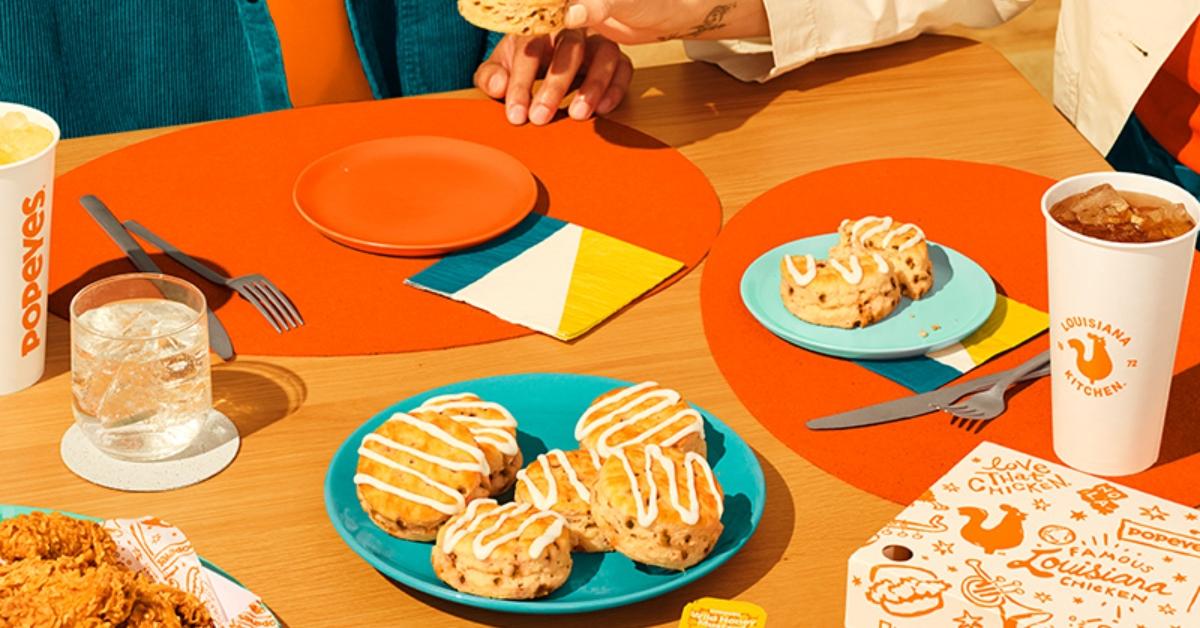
(711,612)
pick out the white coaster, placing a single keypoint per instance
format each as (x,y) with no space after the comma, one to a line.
(213,450)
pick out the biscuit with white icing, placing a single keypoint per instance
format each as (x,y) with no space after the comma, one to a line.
(512,552)
(494,430)
(521,17)
(902,244)
(640,415)
(658,506)
(853,291)
(415,471)
(562,482)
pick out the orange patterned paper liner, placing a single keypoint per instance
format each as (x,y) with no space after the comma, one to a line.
(1007,540)
(161,551)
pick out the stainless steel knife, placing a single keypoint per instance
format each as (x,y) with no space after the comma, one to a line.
(218,338)
(917,405)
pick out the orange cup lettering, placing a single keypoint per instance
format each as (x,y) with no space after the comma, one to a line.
(33,203)
(31,269)
(33,223)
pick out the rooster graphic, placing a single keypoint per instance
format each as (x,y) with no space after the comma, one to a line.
(1099,366)
(1004,535)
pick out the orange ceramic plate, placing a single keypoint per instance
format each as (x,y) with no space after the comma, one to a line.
(415,195)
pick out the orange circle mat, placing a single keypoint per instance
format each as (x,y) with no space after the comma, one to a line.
(987,212)
(222,192)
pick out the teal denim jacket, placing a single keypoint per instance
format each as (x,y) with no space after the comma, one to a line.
(99,66)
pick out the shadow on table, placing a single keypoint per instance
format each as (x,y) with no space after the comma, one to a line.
(674,103)
(1181,432)
(60,299)
(728,581)
(58,332)
(256,394)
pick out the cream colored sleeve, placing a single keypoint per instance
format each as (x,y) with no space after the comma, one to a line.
(804,30)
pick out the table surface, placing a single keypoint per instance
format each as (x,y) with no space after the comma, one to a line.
(264,519)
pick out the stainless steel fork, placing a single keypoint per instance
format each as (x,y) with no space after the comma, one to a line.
(989,404)
(268,299)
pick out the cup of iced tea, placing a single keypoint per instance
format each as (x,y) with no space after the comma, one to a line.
(28,139)
(1119,250)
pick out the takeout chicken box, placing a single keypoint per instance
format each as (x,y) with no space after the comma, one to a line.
(1007,540)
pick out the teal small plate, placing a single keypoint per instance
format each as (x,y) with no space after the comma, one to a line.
(962,298)
(546,406)
(8,511)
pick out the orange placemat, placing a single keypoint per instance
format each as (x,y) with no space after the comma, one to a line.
(223,192)
(989,213)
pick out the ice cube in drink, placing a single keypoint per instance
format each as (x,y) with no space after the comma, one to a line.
(140,377)
(1107,213)
(20,138)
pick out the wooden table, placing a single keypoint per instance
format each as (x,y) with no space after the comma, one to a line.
(264,520)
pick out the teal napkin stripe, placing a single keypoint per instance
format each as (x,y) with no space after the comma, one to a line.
(919,374)
(459,270)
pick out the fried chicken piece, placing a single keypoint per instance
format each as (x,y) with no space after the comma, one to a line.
(65,592)
(38,535)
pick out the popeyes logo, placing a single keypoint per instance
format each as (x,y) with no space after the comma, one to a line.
(33,263)
(1091,342)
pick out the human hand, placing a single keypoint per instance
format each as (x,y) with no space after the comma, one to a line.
(642,21)
(518,61)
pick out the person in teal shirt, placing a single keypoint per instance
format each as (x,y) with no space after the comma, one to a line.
(101,66)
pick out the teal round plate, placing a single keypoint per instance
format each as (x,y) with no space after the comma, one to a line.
(8,511)
(961,300)
(546,406)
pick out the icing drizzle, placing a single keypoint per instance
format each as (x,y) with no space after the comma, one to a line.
(457,502)
(805,278)
(602,415)
(647,509)
(487,538)
(853,275)
(548,499)
(917,236)
(881,263)
(495,432)
(882,225)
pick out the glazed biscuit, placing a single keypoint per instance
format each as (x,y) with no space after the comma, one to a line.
(512,552)
(902,244)
(854,291)
(521,17)
(659,506)
(562,482)
(494,430)
(643,414)
(417,470)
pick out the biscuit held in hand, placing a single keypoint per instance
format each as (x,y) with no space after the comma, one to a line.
(520,17)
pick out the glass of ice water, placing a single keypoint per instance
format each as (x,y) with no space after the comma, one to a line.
(139,365)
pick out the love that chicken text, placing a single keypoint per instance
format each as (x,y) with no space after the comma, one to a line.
(1004,477)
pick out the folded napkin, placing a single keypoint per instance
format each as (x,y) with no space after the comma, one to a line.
(551,276)
(161,551)
(1010,325)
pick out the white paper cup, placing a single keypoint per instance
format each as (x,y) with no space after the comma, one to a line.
(1115,313)
(26,195)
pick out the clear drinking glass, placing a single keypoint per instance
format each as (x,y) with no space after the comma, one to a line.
(140,376)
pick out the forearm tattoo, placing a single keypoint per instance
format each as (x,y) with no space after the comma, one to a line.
(715,20)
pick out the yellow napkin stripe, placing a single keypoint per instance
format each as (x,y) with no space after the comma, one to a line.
(609,274)
(1010,324)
